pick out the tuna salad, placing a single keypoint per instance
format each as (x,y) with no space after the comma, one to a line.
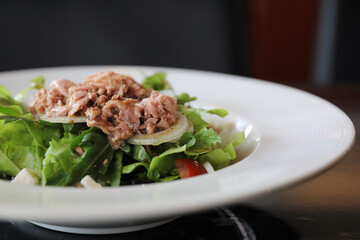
(109,130)
(113,102)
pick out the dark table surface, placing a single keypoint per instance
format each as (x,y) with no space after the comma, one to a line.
(325,207)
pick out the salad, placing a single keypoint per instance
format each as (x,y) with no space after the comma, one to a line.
(109,131)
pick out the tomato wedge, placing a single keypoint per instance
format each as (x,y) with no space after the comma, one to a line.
(189,168)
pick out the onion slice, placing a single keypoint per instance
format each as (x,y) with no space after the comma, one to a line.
(63,119)
(171,134)
(209,168)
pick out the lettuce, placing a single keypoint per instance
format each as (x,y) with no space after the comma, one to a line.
(12,110)
(202,142)
(24,142)
(54,172)
(221,157)
(162,165)
(7,166)
(189,146)
(169,178)
(217,111)
(136,152)
(157,82)
(19,147)
(131,167)
(4,93)
(59,159)
(7,101)
(195,115)
(36,83)
(112,177)
(65,166)
(96,149)
(184,98)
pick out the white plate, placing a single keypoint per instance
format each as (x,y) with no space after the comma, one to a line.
(300,135)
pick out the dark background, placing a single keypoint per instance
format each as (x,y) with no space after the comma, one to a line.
(272,40)
(186,34)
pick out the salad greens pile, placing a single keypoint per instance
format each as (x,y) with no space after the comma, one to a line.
(62,154)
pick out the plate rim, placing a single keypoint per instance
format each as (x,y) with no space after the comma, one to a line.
(234,197)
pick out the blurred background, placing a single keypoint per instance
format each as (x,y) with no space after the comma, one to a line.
(299,43)
(308,44)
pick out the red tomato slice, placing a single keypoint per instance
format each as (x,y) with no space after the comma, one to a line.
(189,168)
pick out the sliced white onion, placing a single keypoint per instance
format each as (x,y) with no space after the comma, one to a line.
(190,127)
(209,168)
(63,119)
(171,134)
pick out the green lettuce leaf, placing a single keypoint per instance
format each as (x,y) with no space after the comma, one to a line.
(187,139)
(207,138)
(112,176)
(189,146)
(136,152)
(169,178)
(218,158)
(184,98)
(107,157)
(7,166)
(7,100)
(131,167)
(63,165)
(61,151)
(4,93)
(221,157)
(42,134)
(59,160)
(218,111)
(95,147)
(195,116)
(53,172)
(157,82)
(36,83)
(55,169)
(163,164)
(29,157)
(204,142)
(12,110)
(199,143)
(78,139)
(24,142)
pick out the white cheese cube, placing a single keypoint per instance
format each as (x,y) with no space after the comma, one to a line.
(88,182)
(25,177)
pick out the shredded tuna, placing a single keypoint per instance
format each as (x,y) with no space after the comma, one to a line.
(158,112)
(118,119)
(110,83)
(62,86)
(113,102)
